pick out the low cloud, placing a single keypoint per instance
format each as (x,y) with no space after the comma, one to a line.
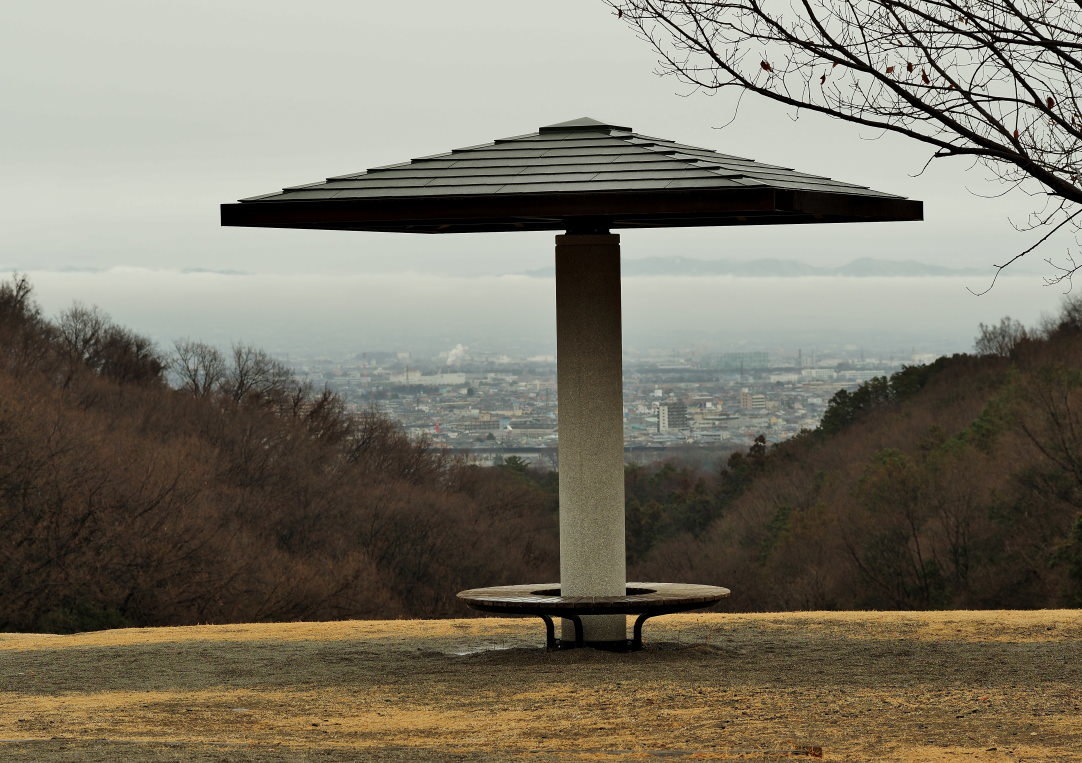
(336,314)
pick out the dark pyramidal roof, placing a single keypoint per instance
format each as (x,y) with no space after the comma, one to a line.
(580,176)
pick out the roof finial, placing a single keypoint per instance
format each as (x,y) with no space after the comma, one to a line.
(582,123)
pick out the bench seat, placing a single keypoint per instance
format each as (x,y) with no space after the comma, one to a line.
(544,600)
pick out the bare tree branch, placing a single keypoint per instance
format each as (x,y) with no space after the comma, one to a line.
(994,80)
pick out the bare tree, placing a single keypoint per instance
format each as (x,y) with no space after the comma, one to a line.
(16,301)
(199,367)
(1000,339)
(23,331)
(125,356)
(81,331)
(996,81)
(90,337)
(255,374)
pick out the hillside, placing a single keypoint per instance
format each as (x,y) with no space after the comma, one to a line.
(140,487)
(939,686)
(952,485)
(234,494)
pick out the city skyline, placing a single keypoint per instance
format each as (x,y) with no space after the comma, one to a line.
(494,407)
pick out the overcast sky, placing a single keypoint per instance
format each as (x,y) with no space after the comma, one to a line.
(125,124)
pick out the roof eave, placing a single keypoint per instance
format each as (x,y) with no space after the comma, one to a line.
(560,211)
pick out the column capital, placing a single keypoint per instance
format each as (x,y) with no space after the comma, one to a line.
(588,239)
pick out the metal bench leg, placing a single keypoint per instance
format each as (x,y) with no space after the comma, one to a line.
(636,641)
(579,643)
(550,633)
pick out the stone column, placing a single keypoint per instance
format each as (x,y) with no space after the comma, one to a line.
(591,446)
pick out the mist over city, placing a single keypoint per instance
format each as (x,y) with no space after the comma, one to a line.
(340,315)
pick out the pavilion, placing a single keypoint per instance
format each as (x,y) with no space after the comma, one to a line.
(585,178)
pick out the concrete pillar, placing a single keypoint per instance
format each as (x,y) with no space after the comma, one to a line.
(589,374)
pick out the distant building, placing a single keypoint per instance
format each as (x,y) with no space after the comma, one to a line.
(741,361)
(480,425)
(431,380)
(672,415)
(750,401)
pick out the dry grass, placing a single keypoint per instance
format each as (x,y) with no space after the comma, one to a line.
(843,686)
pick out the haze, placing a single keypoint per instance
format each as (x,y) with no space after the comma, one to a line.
(342,315)
(126,123)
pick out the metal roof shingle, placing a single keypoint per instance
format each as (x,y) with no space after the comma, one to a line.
(579,157)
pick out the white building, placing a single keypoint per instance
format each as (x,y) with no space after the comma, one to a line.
(672,415)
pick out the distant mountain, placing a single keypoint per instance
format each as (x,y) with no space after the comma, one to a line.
(865,267)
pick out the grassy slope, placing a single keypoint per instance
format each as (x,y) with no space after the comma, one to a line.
(858,685)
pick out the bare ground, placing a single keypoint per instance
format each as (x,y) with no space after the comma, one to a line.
(837,686)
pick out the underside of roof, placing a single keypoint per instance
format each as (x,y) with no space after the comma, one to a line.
(578,176)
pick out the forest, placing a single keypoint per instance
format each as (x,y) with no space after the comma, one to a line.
(140,487)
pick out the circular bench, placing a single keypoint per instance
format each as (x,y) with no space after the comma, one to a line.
(545,601)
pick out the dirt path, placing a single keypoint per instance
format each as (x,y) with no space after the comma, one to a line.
(837,686)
